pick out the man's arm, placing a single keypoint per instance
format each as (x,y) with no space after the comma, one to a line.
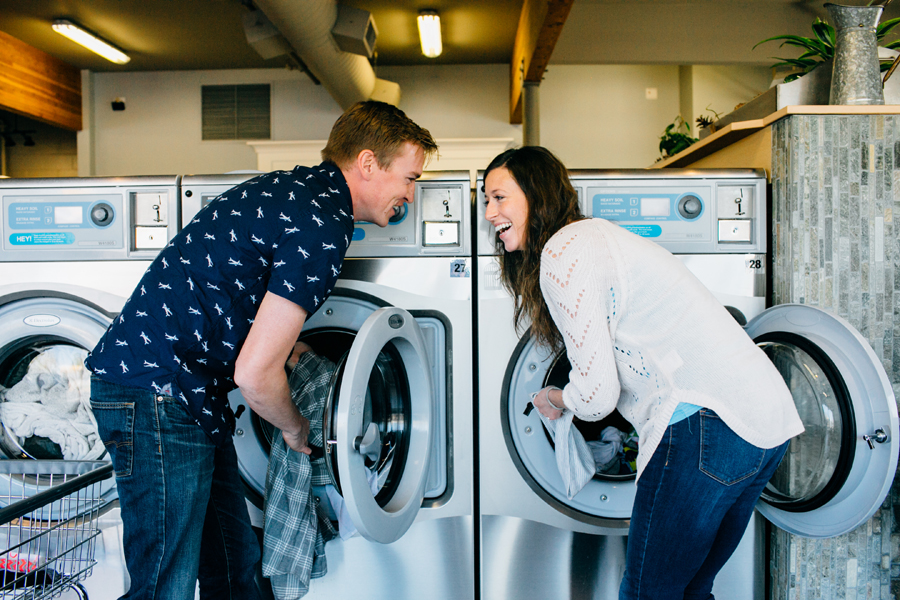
(259,370)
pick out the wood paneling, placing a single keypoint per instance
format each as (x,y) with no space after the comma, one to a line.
(540,24)
(39,86)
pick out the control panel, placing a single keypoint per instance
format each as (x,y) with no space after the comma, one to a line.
(436,223)
(687,211)
(86,218)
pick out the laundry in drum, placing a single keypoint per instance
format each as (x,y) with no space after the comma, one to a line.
(45,410)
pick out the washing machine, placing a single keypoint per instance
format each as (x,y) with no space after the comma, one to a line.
(399,327)
(534,541)
(72,251)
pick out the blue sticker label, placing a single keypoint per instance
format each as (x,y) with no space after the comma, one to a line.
(358,234)
(41,238)
(647,231)
(459,268)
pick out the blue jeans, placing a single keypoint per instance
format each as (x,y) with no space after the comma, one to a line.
(694,500)
(183,509)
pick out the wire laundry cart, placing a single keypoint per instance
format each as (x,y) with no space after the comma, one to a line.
(48,526)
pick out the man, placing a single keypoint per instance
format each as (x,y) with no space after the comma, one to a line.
(220,307)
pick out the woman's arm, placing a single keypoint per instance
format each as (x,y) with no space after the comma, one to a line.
(579,284)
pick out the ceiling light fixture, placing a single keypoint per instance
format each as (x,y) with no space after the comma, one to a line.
(79,35)
(430,33)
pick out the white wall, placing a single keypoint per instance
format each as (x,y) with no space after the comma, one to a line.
(598,116)
(159,130)
(592,116)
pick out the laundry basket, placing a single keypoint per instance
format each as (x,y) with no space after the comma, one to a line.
(48,525)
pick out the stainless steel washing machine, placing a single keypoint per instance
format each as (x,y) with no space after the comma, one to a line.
(832,480)
(72,251)
(399,324)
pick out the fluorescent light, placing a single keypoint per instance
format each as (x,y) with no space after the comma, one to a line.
(430,33)
(90,41)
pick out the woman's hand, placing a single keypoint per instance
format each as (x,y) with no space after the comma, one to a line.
(294,358)
(548,401)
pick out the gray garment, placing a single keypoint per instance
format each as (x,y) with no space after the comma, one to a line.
(294,531)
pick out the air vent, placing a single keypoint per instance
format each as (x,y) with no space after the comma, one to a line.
(236,112)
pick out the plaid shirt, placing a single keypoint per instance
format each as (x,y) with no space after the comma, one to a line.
(295,532)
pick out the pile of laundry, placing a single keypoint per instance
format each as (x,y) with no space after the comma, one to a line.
(49,410)
(615,453)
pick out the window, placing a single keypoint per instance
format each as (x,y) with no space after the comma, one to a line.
(236,112)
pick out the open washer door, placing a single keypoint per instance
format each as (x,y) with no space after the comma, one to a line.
(837,473)
(378,452)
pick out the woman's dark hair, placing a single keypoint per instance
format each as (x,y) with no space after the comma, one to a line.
(552,204)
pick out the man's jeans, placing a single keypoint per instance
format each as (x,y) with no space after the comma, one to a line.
(693,503)
(183,508)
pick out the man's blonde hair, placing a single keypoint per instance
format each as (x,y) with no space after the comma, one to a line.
(376,126)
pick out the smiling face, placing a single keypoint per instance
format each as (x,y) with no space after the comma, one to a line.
(506,208)
(388,188)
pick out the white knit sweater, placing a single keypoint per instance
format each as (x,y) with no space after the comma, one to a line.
(643,334)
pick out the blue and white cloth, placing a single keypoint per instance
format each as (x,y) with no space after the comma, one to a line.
(181,331)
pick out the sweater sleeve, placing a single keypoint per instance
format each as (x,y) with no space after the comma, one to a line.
(578,284)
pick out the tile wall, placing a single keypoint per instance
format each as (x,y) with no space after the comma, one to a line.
(836,246)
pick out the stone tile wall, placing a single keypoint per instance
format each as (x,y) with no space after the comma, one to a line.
(835,246)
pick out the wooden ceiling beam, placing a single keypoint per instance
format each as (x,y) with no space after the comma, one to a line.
(38,86)
(540,24)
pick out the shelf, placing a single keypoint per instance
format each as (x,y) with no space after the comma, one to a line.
(737,131)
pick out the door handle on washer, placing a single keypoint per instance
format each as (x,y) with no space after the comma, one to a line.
(879,436)
(369,444)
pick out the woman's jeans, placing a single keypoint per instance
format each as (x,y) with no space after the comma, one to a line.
(694,500)
(183,509)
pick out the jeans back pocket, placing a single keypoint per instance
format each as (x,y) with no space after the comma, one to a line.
(724,455)
(115,423)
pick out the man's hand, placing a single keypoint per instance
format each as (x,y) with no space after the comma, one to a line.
(297,440)
(294,358)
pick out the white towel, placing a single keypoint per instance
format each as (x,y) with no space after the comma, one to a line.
(573,456)
(53,400)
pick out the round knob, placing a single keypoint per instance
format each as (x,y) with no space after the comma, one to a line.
(399,213)
(102,214)
(690,207)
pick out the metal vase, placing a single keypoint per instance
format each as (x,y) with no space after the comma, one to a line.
(856,75)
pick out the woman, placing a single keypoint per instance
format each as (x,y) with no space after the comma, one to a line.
(645,337)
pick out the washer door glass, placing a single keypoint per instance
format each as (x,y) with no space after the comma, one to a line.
(45,388)
(818,462)
(379,429)
(837,473)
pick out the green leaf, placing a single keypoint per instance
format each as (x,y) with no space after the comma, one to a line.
(825,33)
(796,62)
(886,27)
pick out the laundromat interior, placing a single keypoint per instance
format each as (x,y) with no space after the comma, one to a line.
(601,83)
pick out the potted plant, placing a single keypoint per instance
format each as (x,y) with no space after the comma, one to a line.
(675,138)
(820,48)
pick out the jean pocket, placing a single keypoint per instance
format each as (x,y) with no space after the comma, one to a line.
(724,455)
(115,423)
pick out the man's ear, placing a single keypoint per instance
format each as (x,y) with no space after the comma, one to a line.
(366,163)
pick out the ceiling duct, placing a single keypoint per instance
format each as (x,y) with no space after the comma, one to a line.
(307,25)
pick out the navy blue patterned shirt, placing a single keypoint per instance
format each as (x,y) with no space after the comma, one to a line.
(181,331)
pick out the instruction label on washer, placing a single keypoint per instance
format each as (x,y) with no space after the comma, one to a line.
(459,268)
